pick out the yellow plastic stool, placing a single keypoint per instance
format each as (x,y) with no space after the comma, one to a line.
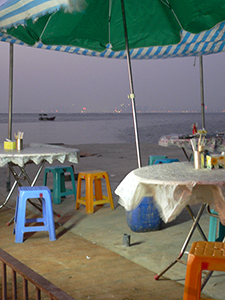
(90,198)
(202,256)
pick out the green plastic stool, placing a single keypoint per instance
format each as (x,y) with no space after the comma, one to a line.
(153,158)
(59,189)
(213,235)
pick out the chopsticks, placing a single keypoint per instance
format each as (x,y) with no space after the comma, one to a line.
(193,144)
(19,135)
(201,144)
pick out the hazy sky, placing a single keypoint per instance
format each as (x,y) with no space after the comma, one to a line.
(48,81)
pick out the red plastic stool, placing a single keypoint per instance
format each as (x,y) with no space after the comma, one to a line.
(90,198)
(202,256)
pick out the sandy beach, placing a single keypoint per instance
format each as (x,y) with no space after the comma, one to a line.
(151,251)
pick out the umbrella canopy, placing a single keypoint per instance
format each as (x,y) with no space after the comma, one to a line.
(204,43)
(96,24)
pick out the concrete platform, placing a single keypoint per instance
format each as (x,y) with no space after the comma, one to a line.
(88,260)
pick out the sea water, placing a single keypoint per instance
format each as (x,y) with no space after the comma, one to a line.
(89,128)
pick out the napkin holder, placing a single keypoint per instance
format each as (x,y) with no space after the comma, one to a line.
(9,145)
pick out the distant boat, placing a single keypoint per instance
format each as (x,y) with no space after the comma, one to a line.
(44,117)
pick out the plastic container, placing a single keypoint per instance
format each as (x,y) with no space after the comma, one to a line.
(145,217)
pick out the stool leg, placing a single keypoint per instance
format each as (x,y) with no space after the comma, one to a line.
(16,214)
(192,287)
(109,192)
(62,183)
(79,182)
(98,189)
(73,183)
(89,195)
(212,229)
(45,178)
(48,211)
(56,188)
(20,220)
(221,232)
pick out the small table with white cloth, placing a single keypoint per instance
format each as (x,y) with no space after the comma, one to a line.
(37,154)
(212,143)
(175,186)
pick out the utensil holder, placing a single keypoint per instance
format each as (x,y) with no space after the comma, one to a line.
(19,144)
(197,160)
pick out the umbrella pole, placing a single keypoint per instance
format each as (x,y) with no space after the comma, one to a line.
(131,96)
(202,92)
(10,105)
(10,92)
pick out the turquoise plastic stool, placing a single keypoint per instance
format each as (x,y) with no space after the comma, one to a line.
(59,190)
(153,158)
(166,161)
(215,236)
(25,193)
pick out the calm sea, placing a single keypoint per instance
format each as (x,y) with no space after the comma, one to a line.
(91,128)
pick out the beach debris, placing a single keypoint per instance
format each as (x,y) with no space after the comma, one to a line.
(126,240)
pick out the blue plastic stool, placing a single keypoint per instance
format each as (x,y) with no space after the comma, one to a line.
(215,236)
(166,161)
(59,189)
(25,193)
(153,158)
(145,217)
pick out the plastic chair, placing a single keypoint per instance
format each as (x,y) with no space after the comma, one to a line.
(90,198)
(202,256)
(153,158)
(214,224)
(25,193)
(166,161)
(59,189)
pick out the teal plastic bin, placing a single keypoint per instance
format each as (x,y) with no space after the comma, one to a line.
(145,217)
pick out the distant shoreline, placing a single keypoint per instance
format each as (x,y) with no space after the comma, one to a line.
(115,113)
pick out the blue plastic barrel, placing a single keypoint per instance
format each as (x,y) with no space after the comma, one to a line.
(145,217)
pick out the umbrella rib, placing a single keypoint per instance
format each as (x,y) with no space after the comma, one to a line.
(166,3)
(46,26)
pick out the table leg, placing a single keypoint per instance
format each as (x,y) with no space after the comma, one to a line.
(10,193)
(198,225)
(185,244)
(185,153)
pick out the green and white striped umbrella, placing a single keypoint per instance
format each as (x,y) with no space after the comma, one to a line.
(96,24)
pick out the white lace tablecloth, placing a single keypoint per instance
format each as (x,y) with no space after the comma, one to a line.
(173,186)
(37,153)
(213,143)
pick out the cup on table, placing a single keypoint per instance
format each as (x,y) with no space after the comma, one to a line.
(19,144)
(197,160)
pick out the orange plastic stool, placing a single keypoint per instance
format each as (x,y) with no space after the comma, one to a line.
(202,256)
(90,198)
